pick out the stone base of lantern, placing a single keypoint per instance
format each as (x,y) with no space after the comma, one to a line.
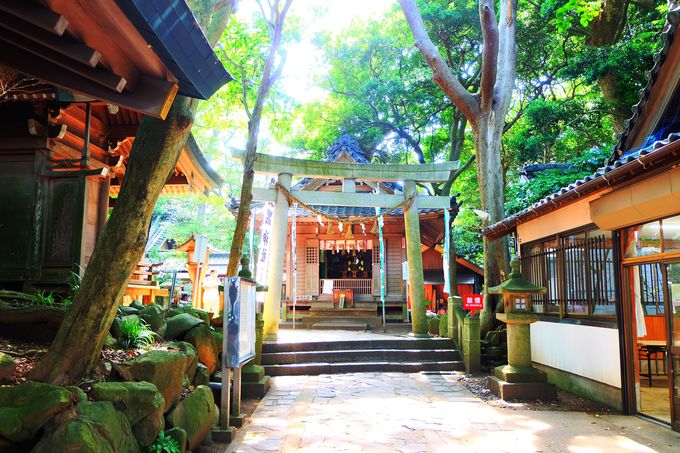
(520,383)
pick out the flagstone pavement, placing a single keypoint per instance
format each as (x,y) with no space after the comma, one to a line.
(399,412)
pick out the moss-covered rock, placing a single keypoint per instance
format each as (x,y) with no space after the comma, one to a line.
(124,310)
(180,436)
(433,325)
(443,325)
(202,376)
(206,344)
(137,304)
(110,342)
(164,369)
(7,367)
(93,427)
(117,325)
(190,353)
(196,415)
(140,402)
(25,408)
(202,314)
(154,316)
(180,324)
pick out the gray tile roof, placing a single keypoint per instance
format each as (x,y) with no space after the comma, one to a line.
(667,35)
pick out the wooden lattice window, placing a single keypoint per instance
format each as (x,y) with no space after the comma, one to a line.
(311,255)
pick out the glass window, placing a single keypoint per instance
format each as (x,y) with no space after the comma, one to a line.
(643,239)
(651,289)
(671,233)
(577,271)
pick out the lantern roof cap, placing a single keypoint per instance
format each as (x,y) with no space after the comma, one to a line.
(517,284)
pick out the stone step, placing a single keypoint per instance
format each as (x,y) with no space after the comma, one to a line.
(388,343)
(342,312)
(374,322)
(362,367)
(339,325)
(361,355)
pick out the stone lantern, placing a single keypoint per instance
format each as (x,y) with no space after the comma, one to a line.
(519,380)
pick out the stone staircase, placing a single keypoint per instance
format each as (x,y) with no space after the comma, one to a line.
(408,355)
(325,317)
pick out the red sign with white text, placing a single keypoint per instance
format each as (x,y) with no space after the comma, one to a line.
(473,302)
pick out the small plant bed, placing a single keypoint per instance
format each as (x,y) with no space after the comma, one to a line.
(565,401)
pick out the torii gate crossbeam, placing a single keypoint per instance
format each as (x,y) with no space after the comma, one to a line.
(286,168)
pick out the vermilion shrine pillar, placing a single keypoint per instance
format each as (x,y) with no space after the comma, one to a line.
(416,285)
(272,300)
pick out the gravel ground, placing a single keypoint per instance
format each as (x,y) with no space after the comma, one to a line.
(565,401)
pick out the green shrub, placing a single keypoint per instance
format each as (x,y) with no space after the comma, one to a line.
(135,334)
(43,298)
(164,444)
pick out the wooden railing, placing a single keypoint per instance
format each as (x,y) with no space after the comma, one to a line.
(357,285)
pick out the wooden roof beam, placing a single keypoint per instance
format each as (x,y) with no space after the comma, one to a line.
(36,14)
(64,45)
(357,199)
(99,76)
(151,96)
(267,164)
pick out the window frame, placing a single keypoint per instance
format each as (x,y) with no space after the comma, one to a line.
(561,271)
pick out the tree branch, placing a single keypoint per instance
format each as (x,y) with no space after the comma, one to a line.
(487,19)
(441,72)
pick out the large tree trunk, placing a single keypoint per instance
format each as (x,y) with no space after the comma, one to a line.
(153,157)
(269,77)
(490,179)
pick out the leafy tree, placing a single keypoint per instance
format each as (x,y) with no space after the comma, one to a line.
(270,73)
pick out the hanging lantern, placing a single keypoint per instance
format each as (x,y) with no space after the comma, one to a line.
(349,232)
(330,228)
(374,230)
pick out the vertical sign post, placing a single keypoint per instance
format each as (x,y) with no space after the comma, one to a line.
(293,252)
(382,264)
(447,257)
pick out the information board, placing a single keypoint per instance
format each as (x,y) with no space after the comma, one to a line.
(240,305)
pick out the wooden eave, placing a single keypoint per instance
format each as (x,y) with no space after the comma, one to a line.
(86,47)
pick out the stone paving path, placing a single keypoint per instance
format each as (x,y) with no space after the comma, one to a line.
(398,412)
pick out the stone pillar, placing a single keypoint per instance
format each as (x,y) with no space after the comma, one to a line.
(471,344)
(277,252)
(452,328)
(519,338)
(416,289)
(259,334)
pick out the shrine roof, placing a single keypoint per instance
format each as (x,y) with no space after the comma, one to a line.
(350,211)
(345,148)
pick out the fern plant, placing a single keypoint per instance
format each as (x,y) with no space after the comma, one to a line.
(136,334)
(164,444)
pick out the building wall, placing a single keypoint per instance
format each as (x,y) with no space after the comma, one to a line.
(569,217)
(591,352)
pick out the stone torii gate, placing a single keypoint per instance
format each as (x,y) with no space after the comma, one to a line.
(348,173)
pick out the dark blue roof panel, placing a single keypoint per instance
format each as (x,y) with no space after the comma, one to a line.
(172,31)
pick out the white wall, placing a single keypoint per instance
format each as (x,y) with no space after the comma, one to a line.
(592,352)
